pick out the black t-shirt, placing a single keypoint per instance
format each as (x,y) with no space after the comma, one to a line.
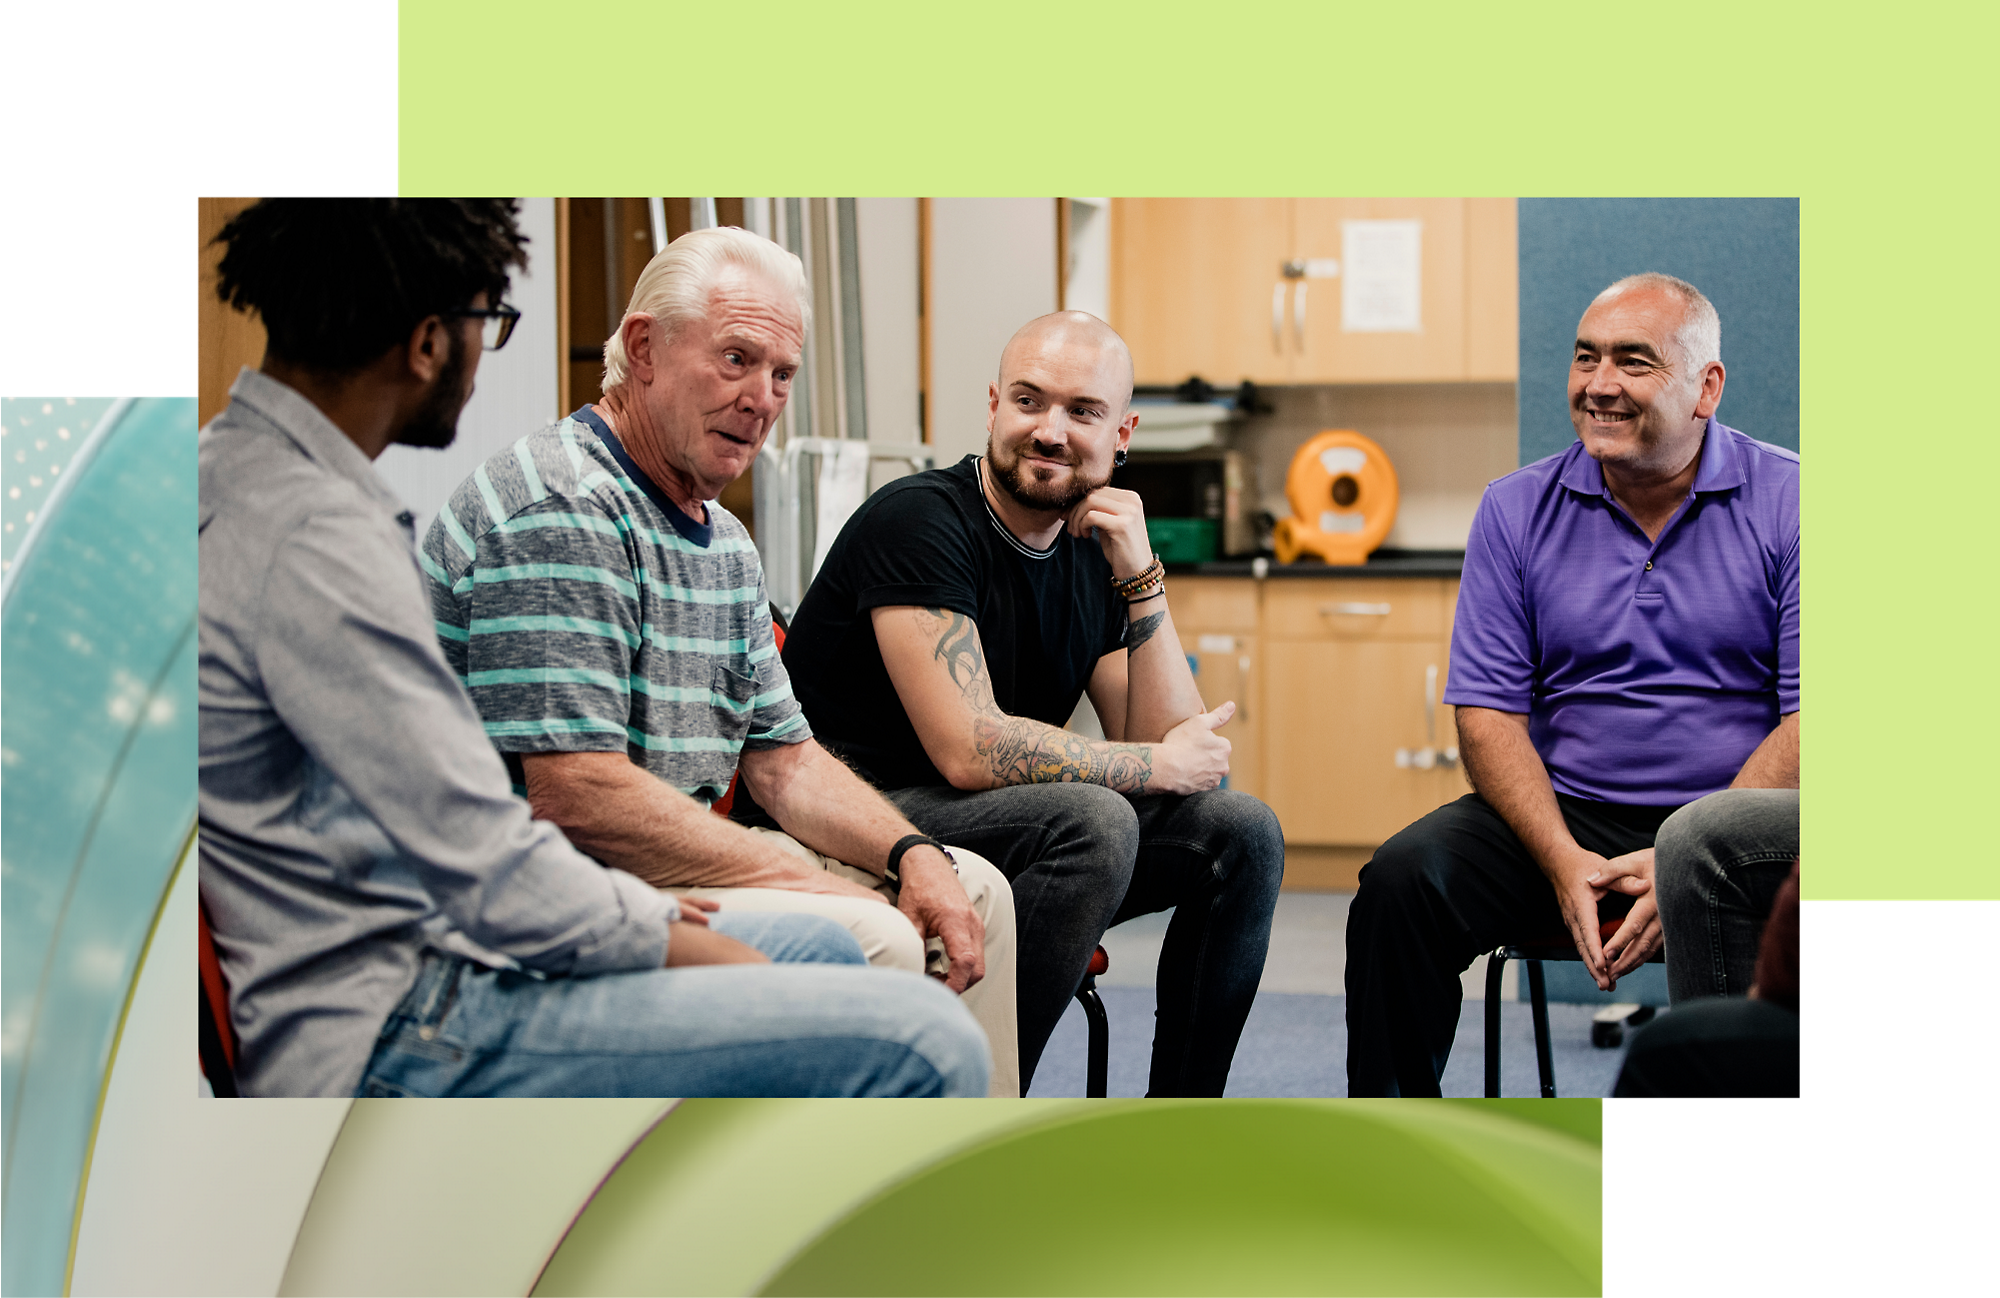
(931,540)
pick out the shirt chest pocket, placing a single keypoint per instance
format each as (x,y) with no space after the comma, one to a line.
(733,692)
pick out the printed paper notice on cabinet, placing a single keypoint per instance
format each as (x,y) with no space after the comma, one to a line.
(1381,289)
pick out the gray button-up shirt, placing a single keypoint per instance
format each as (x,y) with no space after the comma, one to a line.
(352,810)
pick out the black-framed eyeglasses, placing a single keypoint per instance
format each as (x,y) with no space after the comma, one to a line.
(496,324)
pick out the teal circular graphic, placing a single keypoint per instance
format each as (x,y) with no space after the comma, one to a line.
(38,440)
(96,738)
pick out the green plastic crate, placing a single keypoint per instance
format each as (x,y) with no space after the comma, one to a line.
(1182,540)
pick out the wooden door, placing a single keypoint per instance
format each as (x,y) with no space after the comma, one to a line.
(1192,282)
(609,241)
(1333,352)
(228,339)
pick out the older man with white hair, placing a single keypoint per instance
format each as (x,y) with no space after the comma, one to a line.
(610,620)
(1626,642)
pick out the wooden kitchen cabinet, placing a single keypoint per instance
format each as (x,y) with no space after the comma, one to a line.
(1492,291)
(1184,277)
(1325,353)
(1198,286)
(1354,670)
(1347,707)
(1217,621)
(1356,608)
(1331,676)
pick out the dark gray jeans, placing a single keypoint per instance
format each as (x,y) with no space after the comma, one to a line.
(1717,865)
(1082,858)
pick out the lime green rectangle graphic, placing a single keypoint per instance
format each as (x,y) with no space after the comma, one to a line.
(1873,125)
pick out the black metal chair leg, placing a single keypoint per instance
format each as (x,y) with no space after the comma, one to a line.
(1544,1058)
(1495,964)
(1095,1077)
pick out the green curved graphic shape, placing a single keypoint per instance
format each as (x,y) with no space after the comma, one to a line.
(99,725)
(1271,1197)
(1082,1197)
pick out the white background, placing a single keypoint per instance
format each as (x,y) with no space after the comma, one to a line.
(119,115)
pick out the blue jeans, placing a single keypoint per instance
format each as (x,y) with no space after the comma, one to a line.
(817,1022)
(1717,867)
(1082,858)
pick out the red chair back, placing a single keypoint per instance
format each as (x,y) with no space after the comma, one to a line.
(728,798)
(215,1010)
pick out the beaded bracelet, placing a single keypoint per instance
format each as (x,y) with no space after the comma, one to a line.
(1155,586)
(1143,584)
(1151,577)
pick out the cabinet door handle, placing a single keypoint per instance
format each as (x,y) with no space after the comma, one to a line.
(1278,317)
(1354,610)
(1430,704)
(1299,315)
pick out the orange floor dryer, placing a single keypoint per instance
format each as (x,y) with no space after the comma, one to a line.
(1343,493)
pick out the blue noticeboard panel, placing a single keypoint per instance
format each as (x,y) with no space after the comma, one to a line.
(1742,252)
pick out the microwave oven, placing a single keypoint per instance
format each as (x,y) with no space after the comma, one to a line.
(1205,484)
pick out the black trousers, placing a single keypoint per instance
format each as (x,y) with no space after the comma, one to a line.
(1441,893)
(1081,858)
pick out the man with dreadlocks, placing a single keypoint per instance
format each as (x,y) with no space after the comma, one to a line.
(389,917)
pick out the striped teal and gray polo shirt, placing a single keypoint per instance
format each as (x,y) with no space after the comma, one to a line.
(586,614)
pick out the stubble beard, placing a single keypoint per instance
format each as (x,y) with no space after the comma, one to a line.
(1053,497)
(1647,442)
(435,424)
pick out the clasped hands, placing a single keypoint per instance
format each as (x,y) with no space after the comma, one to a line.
(1585,879)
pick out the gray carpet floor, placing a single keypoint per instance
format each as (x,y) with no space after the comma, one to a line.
(1295,1043)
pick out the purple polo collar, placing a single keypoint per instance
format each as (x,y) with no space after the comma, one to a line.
(1721,465)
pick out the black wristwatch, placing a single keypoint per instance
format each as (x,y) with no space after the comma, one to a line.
(903,845)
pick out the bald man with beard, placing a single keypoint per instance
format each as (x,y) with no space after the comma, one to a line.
(957,620)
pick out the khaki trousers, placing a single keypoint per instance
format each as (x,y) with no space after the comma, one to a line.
(890,941)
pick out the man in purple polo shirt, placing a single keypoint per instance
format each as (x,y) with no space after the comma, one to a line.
(1627,641)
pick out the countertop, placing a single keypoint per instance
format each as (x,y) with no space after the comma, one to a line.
(1382,563)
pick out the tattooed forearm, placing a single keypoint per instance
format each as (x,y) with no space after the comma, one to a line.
(1020,751)
(1017,750)
(958,649)
(1142,631)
